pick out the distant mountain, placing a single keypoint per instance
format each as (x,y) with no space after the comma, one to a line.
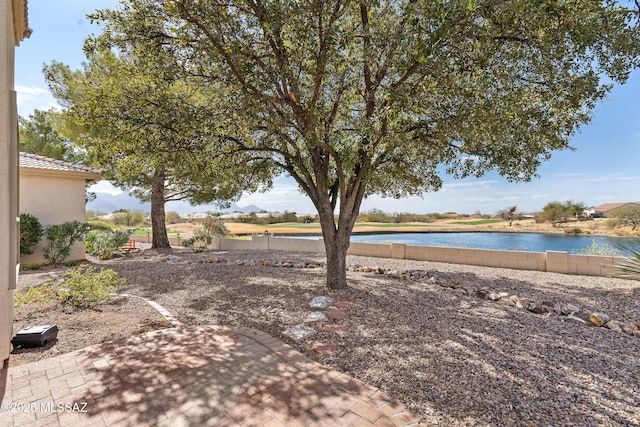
(107,203)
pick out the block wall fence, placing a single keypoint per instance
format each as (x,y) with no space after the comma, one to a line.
(550,261)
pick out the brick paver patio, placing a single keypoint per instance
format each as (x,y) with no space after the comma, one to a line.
(201,376)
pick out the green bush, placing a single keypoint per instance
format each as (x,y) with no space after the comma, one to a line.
(203,235)
(600,250)
(100,225)
(60,238)
(104,244)
(128,218)
(85,286)
(574,231)
(630,267)
(36,295)
(30,233)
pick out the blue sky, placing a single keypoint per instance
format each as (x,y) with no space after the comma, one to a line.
(603,169)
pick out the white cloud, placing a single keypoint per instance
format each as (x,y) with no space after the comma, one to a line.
(34,97)
(105,187)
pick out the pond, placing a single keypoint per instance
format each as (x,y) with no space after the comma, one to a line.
(528,242)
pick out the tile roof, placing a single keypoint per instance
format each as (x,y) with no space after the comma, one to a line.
(610,206)
(33,161)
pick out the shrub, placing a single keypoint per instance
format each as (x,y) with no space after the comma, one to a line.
(203,235)
(104,244)
(84,287)
(199,241)
(600,250)
(60,238)
(36,295)
(574,231)
(30,233)
(128,218)
(630,267)
(100,225)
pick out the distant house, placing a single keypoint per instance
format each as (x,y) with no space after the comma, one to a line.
(605,210)
(54,192)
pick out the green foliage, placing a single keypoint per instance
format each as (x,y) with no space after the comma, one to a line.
(630,266)
(509,214)
(38,135)
(600,250)
(557,212)
(374,97)
(575,231)
(100,225)
(628,215)
(104,244)
(42,294)
(60,238)
(30,233)
(28,267)
(128,218)
(199,241)
(172,217)
(203,235)
(84,287)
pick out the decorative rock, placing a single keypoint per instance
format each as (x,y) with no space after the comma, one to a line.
(507,301)
(598,319)
(299,332)
(337,314)
(335,328)
(493,296)
(636,334)
(569,308)
(316,316)
(342,304)
(482,293)
(629,328)
(516,301)
(503,295)
(323,348)
(614,325)
(213,260)
(576,319)
(460,285)
(321,302)
(547,307)
(534,308)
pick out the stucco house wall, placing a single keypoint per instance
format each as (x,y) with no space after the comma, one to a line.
(13,29)
(54,192)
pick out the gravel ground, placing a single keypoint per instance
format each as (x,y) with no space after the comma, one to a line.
(452,358)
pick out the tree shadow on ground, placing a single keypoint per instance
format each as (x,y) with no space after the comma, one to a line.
(458,358)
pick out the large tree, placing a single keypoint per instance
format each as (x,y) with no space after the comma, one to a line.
(149,128)
(353,98)
(38,135)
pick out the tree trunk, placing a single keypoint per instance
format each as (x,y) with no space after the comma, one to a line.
(336,251)
(158,224)
(337,241)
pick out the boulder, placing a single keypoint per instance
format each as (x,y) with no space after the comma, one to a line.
(598,319)
(535,308)
(569,308)
(493,296)
(516,301)
(614,325)
(459,285)
(482,293)
(576,319)
(629,328)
